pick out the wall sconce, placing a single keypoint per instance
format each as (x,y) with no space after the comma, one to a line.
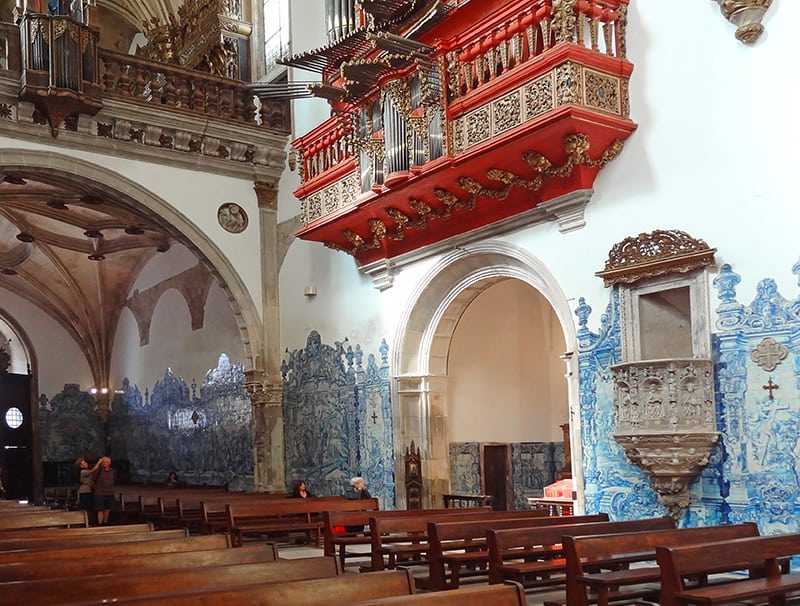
(95,390)
(310,291)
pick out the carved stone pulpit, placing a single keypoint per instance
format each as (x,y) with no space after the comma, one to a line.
(664,387)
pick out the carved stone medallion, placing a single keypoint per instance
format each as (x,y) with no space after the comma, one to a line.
(232,217)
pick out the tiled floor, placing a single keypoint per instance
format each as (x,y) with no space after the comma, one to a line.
(535,597)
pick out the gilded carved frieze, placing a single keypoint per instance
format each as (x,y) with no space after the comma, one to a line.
(655,254)
(331,198)
(449,202)
(567,84)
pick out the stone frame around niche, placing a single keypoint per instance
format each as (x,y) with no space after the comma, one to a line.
(699,312)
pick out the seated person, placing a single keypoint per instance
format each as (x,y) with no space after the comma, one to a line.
(299,490)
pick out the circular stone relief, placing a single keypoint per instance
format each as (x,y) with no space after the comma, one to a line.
(232,217)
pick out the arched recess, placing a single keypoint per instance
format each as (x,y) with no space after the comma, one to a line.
(23,359)
(56,168)
(422,343)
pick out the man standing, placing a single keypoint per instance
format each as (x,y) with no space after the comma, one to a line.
(104,491)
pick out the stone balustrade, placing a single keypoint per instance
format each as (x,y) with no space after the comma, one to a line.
(133,79)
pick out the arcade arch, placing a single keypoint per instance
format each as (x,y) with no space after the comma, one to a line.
(423,341)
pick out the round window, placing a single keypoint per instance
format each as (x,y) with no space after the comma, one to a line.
(14,417)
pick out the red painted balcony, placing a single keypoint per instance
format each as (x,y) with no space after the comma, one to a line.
(500,108)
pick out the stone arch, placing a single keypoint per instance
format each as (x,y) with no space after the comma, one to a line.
(54,167)
(422,343)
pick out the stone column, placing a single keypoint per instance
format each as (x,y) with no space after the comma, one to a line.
(264,383)
(267,424)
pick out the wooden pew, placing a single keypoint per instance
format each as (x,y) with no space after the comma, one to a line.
(110,587)
(213,513)
(150,562)
(344,519)
(158,545)
(285,516)
(454,545)
(629,547)
(86,540)
(74,532)
(515,554)
(761,555)
(510,594)
(43,519)
(343,590)
(406,538)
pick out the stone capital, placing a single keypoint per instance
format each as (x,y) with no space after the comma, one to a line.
(267,194)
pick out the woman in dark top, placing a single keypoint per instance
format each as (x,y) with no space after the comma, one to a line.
(299,490)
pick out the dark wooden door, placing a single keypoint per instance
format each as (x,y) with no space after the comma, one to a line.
(496,474)
(16,435)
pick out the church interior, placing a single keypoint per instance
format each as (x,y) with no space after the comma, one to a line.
(506,252)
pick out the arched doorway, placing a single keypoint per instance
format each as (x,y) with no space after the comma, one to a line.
(423,345)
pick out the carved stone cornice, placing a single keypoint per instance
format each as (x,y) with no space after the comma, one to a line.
(654,254)
(151,134)
(746,15)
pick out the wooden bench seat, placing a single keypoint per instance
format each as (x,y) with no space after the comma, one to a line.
(404,538)
(760,555)
(509,594)
(345,589)
(515,554)
(258,518)
(155,545)
(150,562)
(586,552)
(342,519)
(110,587)
(456,545)
(43,519)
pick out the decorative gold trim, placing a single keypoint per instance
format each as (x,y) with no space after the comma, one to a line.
(576,146)
(655,254)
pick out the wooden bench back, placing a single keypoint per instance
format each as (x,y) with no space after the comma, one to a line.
(440,532)
(50,592)
(502,543)
(761,553)
(580,549)
(150,562)
(85,540)
(510,594)
(332,519)
(314,505)
(157,545)
(75,532)
(43,519)
(344,589)
(720,555)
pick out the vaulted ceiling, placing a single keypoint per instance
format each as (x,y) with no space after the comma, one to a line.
(74,253)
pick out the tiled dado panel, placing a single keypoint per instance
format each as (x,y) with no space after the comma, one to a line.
(338,418)
(533,466)
(203,435)
(752,473)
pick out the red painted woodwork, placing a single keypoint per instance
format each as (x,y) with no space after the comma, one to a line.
(471,31)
